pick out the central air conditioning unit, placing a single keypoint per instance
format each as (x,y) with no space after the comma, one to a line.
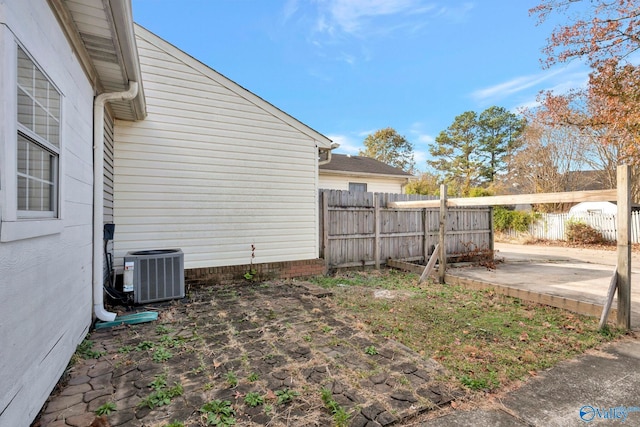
(154,275)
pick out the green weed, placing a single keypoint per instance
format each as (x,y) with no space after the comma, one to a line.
(253,399)
(286,395)
(106,409)
(232,379)
(161,354)
(371,350)
(219,413)
(85,350)
(340,416)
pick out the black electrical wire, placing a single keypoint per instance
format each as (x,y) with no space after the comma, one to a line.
(109,288)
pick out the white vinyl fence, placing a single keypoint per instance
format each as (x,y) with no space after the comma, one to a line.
(553,226)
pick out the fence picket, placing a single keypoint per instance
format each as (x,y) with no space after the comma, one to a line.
(348,233)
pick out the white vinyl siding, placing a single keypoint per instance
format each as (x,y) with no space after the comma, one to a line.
(374,184)
(211,171)
(108,168)
(45,280)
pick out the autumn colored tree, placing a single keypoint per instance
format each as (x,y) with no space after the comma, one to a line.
(596,30)
(577,113)
(604,33)
(388,146)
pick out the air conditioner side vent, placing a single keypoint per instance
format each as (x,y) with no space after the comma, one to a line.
(158,274)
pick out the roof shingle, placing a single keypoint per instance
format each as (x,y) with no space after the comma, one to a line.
(348,163)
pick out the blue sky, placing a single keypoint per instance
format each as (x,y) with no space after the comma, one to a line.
(350,67)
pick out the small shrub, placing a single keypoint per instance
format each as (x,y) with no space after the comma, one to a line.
(504,219)
(581,233)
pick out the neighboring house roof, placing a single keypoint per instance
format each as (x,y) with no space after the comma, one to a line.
(102,33)
(345,163)
(359,165)
(321,140)
(588,180)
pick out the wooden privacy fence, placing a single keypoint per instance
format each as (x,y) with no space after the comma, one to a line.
(554,226)
(357,229)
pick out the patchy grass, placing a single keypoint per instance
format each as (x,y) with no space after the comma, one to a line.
(486,341)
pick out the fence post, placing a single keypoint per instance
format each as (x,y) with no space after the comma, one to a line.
(325,227)
(491,231)
(425,240)
(442,234)
(624,248)
(376,230)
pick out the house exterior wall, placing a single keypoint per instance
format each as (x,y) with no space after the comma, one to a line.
(45,265)
(374,184)
(210,171)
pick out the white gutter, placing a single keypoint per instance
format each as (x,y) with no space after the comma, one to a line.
(333,147)
(98,189)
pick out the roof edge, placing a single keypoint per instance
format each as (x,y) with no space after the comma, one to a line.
(365,174)
(122,14)
(70,30)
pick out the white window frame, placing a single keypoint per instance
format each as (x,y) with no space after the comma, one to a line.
(15,224)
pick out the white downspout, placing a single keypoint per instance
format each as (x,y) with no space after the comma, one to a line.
(333,147)
(98,189)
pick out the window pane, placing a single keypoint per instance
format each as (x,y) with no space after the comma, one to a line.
(36,159)
(23,151)
(40,117)
(54,103)
(35,195)
(22,193)
(25,109)
(25,71)
(41,86)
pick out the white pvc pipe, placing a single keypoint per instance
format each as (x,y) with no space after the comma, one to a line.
(98,189)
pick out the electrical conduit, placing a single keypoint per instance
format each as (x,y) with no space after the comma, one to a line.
(98,197)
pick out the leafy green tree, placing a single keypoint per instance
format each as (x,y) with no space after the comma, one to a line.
(456,152)
(388,146)
(499,133)
(427,184)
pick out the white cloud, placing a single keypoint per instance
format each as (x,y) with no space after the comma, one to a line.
(515,85)
(560,80)
(348,145)
(350,15)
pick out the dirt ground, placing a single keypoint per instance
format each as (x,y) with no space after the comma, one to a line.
(263,351)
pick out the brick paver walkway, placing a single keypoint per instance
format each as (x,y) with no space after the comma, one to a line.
(226,342)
